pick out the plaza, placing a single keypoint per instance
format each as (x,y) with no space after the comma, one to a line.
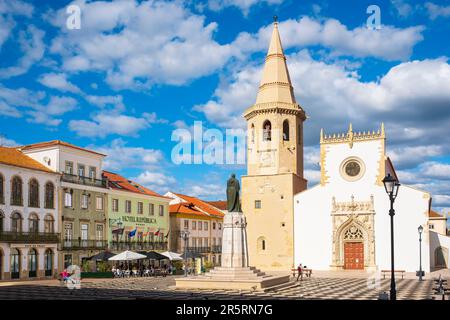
(321,286)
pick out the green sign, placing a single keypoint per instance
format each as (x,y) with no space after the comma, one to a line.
(138,219)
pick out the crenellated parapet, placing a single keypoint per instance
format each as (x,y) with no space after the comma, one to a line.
(350,136)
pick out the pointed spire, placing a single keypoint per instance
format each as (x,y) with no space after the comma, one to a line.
(276,83)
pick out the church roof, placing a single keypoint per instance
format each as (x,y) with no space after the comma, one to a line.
(276,83)
(434,214)
(220,204)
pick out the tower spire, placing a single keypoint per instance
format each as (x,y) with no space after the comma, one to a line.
(276,83)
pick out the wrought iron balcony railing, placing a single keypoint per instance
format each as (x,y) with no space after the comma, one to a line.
(28,237)
(79,244)
(138,245)
(71,178)
(212,249)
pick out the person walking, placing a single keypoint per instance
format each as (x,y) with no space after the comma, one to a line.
(300,272)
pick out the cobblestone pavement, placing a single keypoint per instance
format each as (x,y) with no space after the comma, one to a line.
(162,288)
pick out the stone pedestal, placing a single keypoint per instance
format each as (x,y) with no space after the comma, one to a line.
(234,272)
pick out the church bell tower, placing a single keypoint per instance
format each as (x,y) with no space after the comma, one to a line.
(274,164)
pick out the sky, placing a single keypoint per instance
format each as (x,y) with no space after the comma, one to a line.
(132,72)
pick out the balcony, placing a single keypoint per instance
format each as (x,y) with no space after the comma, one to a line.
(86,181)
(28,237)
(137,245)
(84,244)
(212,249)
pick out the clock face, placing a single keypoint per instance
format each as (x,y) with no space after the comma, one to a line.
(352,168)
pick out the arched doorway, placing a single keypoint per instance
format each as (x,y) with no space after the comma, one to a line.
(353,248)
(32,263)
(441,258)
(15,263)
(48,262)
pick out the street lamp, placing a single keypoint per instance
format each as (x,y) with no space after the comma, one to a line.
(420,229)
(184,234)
(391,185)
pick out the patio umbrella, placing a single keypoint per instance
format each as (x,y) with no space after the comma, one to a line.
(173,256)
(127,256)
(154,255)
(102,256)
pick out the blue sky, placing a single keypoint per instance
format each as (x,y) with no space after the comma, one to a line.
(137,70)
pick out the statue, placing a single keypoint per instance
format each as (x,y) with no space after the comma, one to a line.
(233,203)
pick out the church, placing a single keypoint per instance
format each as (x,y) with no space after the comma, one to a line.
(343,222)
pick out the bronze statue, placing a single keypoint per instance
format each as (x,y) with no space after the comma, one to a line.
(233,203)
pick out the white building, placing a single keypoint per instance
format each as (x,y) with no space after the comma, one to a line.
(29,220)
(344,223)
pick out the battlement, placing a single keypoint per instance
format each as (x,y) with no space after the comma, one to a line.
(350,137)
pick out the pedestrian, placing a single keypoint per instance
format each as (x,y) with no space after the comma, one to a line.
(300,272)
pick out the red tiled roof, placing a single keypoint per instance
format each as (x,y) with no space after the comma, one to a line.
(221,204)
(117,182)
(13,157)
(434,214)
(55,143)
(202,205)
(186,208)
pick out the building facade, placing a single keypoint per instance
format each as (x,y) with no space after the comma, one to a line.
(274,165)
(203,223)
(134,207)
(83,198)
(29,220)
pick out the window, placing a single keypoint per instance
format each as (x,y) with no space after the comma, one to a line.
(33,223)
(99,232)
(194,242)
(151,209)
(84,201)
(15,263)
(161,210)
(115,205)
(127,206)
(194,225)
(2,217)
(49,196)
(206,226)
(98,203)
(220,226)
(140,236)
(299,138)
(16,222)
(32,263)
(205,242)
(286,130)
(186,224)
(68,231)
(69,167)
(68,199)
(67,260)
(214,226)
(33,193)
(92,173)
(81,172)
(257,204)
(49,224)
(253,133)
(16,191)
(2,188)
(200,225)
(267,131)
(48,262)
(84,231)
(213,241)
(261,244)
(431,226)
(140,208)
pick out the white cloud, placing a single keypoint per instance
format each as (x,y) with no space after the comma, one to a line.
(58,81)
(244,5)
(8,11)
(157,181)
(205,191)
(435,11)
(104,124)
(388,43)
(32,45)
(158,42)
(5,142)
(116,102)
(436,170)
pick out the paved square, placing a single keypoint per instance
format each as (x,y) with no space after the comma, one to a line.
(162,288)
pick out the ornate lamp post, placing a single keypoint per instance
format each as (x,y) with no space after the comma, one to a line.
(391,185)
(184,234)
(420,229)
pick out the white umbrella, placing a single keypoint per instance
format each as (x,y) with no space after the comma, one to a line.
(127,256)
(173,256)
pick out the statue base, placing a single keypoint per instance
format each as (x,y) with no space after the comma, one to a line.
(234,272)
(240,278)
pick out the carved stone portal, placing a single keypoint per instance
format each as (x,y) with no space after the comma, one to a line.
(353,221)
